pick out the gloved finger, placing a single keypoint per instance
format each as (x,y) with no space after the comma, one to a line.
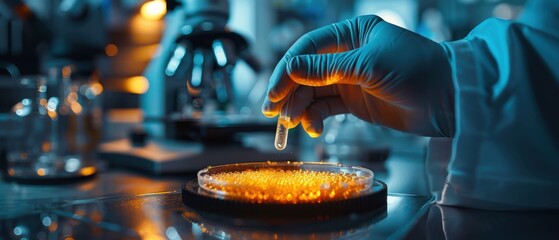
(325,69)
(271,109)
(313,119)
(338,37)
(301,99)
(304,96)
(280,85)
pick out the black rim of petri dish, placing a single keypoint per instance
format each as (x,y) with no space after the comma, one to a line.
(371,200)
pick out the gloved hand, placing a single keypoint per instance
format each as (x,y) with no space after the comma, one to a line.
(365,66)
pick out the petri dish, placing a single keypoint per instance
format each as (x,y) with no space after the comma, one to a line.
(285,182)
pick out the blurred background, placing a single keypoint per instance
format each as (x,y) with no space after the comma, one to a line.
(171,87)
(120,37)
(188,70)
(135,28)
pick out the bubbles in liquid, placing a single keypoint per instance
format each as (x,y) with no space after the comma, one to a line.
(286,186)
(281,133)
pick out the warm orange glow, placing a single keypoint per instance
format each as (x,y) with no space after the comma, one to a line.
(137,84)
(272,185)
(314,82)
(334,48)
(125,115)
(66,72)
(23,11)
(52,114)
(72,97)
(53,226)
(111,50)
(150,229)
(153,10)
(87,170)
(46,147)
(97,87)
(41,172)
(193,91)
(96,216)
(144,32)
(76,108)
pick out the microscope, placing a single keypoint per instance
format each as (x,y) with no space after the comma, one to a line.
(191,92)
(190,115)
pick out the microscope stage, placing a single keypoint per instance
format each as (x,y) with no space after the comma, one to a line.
(161,157)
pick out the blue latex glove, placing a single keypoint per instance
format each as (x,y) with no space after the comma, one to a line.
(365,66)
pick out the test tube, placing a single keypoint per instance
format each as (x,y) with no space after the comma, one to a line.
(281,132)
(282,129)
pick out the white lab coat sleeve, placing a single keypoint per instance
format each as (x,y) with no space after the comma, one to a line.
(505,152)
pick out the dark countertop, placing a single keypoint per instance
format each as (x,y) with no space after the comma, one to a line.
(128,213)
(121,204)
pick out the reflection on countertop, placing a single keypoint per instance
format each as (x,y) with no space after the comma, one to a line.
(441,222)
(19,199)
(162,215)
(120,204)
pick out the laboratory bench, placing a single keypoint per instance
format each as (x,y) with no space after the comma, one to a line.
(124,204)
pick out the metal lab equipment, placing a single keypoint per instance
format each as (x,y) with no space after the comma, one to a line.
(23,35)
(204,56)
(39,33)
(191,82)
(54,129)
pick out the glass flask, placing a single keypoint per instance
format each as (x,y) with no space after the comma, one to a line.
(55,128)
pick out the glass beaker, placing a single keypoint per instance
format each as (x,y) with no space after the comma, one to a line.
(56,128)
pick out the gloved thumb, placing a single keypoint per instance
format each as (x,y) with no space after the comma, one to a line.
(318,70)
